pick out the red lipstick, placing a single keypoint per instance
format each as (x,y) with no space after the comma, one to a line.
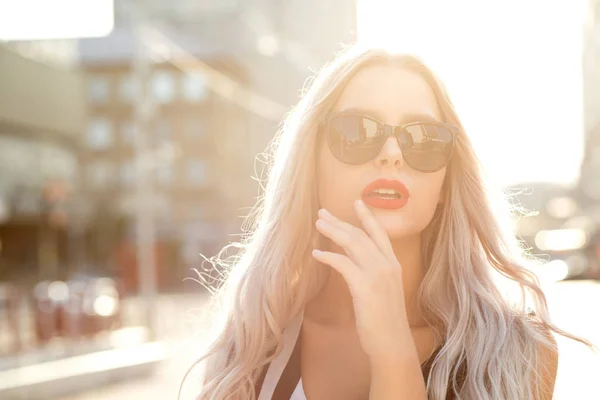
(385,194)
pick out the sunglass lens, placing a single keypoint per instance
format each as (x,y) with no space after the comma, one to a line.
(427,147)
(354,139)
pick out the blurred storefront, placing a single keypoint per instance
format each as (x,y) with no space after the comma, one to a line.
(55,318)
(41,118)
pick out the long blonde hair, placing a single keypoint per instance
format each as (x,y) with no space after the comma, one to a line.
(492,341)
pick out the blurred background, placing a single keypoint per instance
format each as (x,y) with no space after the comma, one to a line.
(129,131)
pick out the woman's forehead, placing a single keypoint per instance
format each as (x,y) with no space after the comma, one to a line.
(391,93)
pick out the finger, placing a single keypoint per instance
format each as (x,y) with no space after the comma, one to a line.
(355,243)
(353,230)
(334,232)
(341,263)
(373,228)
(331,219)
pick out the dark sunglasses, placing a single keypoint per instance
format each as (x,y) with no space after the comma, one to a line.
(356,139)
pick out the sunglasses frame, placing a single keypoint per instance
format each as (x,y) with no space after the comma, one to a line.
(390,131)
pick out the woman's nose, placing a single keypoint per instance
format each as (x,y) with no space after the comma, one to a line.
(390,154)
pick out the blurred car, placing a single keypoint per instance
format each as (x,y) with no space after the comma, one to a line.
(80,307)
(574,251)
(10,299)
(558,229)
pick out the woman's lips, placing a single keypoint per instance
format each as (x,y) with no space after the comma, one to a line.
(385,203)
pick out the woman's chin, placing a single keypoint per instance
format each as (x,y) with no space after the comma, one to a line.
(397,233)
(397,226)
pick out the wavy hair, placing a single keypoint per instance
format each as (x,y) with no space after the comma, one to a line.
(465,250)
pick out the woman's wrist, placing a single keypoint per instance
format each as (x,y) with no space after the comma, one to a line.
(393,360)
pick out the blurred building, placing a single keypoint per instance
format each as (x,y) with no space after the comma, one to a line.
(590,170)
(221,77)
(566,225)
(41,118)
(589,184)
(189,155)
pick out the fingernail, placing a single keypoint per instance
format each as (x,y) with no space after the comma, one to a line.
(359,203)
(324,212)
(321,223)
(316,252)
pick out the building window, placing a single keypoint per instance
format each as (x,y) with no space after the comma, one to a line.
(195,86)
(164,174)
(99,174)
(98,89)
(197,172)
(127,173)
(99,133)
(129,88)
(163,86)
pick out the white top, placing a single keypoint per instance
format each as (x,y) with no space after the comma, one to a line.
(275,369)
(299,392)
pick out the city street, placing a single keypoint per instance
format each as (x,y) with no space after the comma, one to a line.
(572,305)
(179,325)
(147,147)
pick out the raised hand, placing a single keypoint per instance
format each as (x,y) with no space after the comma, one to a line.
(374,277)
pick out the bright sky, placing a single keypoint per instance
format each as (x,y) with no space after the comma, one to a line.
(513,70)
(56,19)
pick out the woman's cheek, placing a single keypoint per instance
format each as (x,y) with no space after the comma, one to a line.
(338,198)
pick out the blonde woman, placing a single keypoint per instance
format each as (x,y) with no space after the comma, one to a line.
(370,270)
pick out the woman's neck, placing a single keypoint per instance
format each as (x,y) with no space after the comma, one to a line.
(333,304)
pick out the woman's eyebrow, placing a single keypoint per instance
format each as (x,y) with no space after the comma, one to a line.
(418,117)
(405,119)
(363,111)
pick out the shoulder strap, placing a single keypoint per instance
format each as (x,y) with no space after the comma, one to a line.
(275,369)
